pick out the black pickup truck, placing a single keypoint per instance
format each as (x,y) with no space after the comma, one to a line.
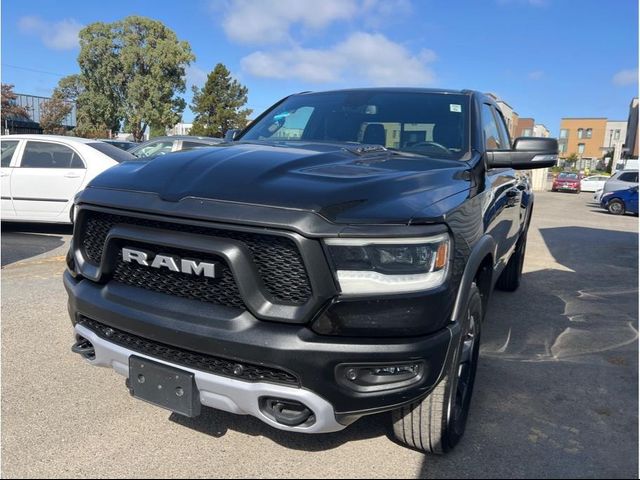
(332,260)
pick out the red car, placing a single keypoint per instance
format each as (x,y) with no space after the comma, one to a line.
(566,182)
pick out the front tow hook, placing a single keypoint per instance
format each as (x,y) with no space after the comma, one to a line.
(84,348)
(287,412)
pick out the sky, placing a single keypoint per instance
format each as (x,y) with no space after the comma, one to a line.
(547,58)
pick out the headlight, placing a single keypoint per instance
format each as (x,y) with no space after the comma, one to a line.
(389,265)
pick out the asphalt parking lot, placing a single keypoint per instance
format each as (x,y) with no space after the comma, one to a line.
(556,394)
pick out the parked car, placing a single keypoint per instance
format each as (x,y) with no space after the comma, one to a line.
(333,262)
(593,183)
(123,144)
(41,174)
(163,145)
(566,182)
(621,201)
(621,180)
(597,196)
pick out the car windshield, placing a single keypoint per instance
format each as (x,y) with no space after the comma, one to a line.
(431,124)
(568,176)
(112,152)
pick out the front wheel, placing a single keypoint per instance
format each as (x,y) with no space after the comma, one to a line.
(616,207)
(437,423)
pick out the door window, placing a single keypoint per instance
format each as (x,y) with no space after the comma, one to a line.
(49,155)
(502,128)
(8,148)
(492,138)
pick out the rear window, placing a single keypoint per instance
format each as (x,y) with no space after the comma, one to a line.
(112,152)
(568,176)
(629,177)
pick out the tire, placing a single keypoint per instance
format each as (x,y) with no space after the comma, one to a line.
(509,280)
(616,207)
(436,424)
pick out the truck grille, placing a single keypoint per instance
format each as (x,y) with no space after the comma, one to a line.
(206,363)
(221,291)
(277,259)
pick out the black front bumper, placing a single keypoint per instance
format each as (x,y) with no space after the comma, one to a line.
(238,336)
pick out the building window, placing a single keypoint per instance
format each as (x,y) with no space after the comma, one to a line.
(562,147)
(580,132)
(616,136)
(580,148)
(527,132)
(564,133)
(589,133)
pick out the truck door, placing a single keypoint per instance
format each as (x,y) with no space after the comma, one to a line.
(502,215)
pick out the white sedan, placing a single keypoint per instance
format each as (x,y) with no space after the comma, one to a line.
(41,174)
(593,183)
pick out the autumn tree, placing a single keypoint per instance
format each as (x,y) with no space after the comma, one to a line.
(218,106)
(9,109)
(52,115)
(131,72)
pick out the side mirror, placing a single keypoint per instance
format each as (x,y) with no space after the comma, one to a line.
(527,153)
(231,135)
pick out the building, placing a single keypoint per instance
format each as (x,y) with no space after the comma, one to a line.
(525,127)
(631,138)
(180,129)
(539,130)
(584,137)
(614,138)
(31,124)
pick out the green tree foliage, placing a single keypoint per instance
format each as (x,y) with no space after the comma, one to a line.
(52,115)
(9,109)
(571,159)
(218,105)
(131,72)
(157,131)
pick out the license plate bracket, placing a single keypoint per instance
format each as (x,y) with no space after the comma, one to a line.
(164,386)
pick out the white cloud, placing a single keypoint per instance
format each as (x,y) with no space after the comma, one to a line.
(62,35)
(626,77)
(270,21)
(363,57)
(536,75)
(194,75)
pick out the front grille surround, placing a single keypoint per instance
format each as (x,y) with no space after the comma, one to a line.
(238,370)
(277,259)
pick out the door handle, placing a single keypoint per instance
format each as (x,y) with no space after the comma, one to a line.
(72,175)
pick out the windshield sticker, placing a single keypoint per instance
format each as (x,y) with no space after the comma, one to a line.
(454,107)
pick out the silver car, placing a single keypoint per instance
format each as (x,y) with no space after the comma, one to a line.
(621,180)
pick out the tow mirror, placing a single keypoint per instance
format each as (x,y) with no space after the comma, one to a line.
(527,153)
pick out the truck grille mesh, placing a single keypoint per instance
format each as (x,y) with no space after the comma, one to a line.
(277,258)
(206,363)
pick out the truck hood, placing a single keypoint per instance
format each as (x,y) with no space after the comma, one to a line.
(332,180)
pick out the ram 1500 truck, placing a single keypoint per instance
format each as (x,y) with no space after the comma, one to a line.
(332,260)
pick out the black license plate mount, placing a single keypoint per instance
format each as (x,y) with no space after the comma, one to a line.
(164,386)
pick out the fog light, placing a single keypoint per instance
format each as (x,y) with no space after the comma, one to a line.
(368,378)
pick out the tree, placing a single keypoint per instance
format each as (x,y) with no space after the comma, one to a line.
(156,131)
(571,160)
(52,115)
(131,71)
(218,105)
(9,109)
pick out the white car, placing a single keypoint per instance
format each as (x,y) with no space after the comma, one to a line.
(41,174)
(593,183)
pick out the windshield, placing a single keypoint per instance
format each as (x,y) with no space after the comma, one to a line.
(112,152)
(432,124)
(568,176)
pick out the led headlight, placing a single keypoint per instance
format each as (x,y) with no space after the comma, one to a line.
(390,265)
